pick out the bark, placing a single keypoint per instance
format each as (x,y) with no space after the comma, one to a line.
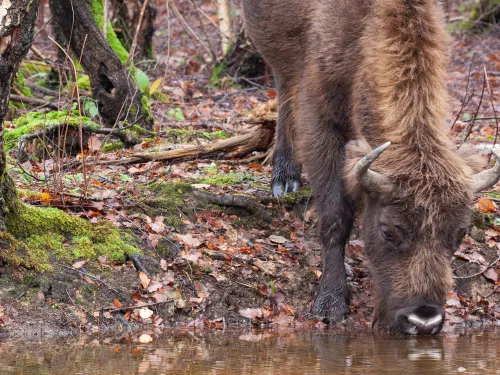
(234,147)
(113,89)
(128,17)
(17,25)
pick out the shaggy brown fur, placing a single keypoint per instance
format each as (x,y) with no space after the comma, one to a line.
(361,73)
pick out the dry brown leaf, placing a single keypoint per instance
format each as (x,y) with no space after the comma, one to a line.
(491,274)
(190,240)
(117,303)
(145,313)
(486,205)
(94,143)
(145,339)
(163,264)
(144,279)
(277,239)
(79,264)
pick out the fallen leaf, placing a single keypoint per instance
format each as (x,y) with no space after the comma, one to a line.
(277,239)
(163,264)
(190,240)
(486,205)
(145,313)
(94,143)
(145,339)
(117,303)
(79,264)
(201,186)
(266,267)
(491,274)
(251,314)
(144,279)
(153,287)
(452,302)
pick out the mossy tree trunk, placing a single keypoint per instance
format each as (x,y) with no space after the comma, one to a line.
(113,88)
(128,17)
(17,25)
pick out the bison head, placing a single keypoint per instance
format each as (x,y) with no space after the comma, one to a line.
(413,222)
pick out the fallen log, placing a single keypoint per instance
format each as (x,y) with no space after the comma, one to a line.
(233,147)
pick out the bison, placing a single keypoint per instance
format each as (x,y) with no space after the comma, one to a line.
(351,74)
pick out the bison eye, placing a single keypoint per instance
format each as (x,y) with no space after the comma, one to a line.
(387,233)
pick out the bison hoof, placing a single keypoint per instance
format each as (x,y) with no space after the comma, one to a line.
(282,187)
(285,180)
(330,307)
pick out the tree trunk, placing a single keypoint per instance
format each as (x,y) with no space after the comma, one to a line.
(127,19)
(17,25)
(112,87)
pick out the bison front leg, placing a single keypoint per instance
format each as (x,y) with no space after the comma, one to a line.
(335,222)
(286,172)
(323,154)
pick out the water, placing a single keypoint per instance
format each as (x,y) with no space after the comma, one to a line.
(466,352)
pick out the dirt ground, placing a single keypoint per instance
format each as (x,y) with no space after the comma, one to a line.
(206,264)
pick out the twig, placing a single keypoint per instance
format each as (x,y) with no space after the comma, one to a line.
(493,291)
(490,92)
(465,101)
(137,29)
(37,53)
(41,89)
(33,101)
(93,278)
(125,137)
(189,30)
(116,309)
(480,272)
(469,131)
(134,258)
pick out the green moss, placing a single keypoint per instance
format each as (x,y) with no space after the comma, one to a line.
(146,108)
(84,82)
(50,232)
(223,179)
(28,68)
(170,199)
(34,121)
(20,85)
(97,9)
(113,146)
(292,198)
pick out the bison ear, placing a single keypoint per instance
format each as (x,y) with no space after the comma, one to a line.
(355,150)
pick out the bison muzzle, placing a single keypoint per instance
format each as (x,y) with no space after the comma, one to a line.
(352,74)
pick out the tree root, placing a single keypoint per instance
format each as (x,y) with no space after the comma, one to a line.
(239,201)
(134,258)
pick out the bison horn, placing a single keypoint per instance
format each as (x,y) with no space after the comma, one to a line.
(488,178)
(368,178)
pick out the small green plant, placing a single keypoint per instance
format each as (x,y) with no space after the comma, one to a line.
(177,114)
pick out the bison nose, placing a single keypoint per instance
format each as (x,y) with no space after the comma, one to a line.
(425,320)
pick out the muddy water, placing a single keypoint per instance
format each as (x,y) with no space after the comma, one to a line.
(465,352)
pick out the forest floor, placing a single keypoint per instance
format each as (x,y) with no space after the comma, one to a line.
(209,263)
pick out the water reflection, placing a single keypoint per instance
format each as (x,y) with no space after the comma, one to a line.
(473,352)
